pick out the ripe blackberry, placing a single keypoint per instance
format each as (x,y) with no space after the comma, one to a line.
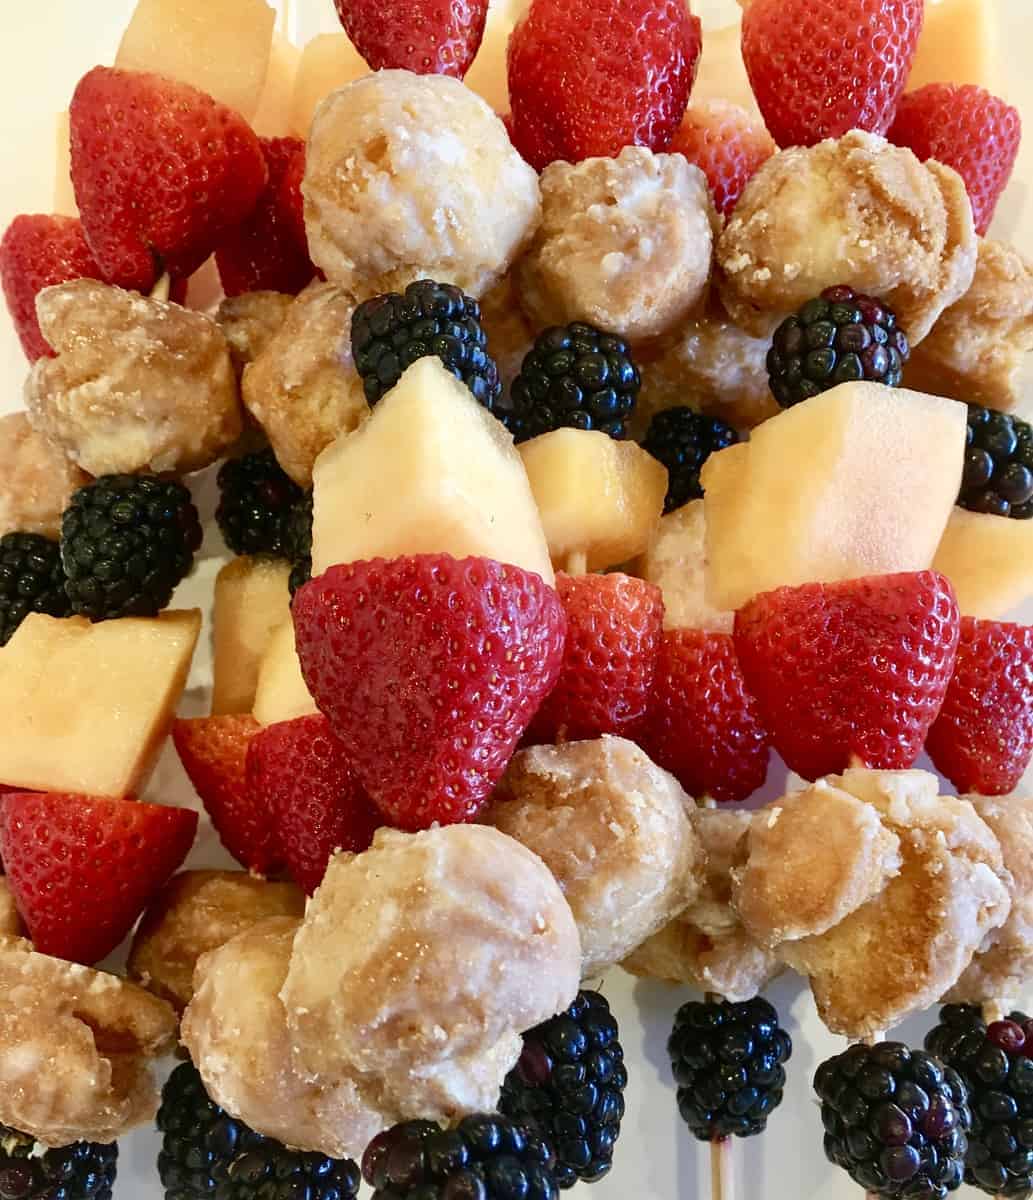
(83,1171)
(208,1155)
(256,497)
(998,476)
(483,1158)
(299,541)
(839,336)
(728,1065)
(390,332)
(996,1064)
(31,580)
(577,377)
(895,1120)
(683,440)
(569,1085)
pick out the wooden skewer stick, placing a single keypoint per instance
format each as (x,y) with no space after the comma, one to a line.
(577,563)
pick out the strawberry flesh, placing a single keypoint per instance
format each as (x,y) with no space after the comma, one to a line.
(427,37)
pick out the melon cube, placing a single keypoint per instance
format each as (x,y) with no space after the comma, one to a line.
(958,45)
(860,480)
(990,562)
(252,600)
(599,500)
(676,562)
(488,74)
(64,193)
(222,48)
(275,114)
(88,707)
(722,72)
(328,62)
(429,472)
(281,693)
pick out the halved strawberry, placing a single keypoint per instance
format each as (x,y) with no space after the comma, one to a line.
(727,143)
(213,751)
(82,868)
(850,672)
(298,770)
(703,725)
(983,738)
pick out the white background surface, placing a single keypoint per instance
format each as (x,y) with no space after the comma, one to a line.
(45,46)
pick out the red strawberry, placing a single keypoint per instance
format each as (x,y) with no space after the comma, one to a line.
(728,145)
(430,669)
(850,671)
(968,129)
(614,624)
(291,203)
(822,67)
(429,37)
(300,771)
(264,253)
(983,738)
(38,252)
(703,725)
(213,751)
(161,172)
(82,869)
(589,77)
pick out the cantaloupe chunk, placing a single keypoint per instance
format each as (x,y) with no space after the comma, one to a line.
(990,562)
(860,480)
(281,694)
(64,193)
(252,600)
(221,48)
(328,62)
(87,707)
(487,76)
(599,500)
(722,73)
(959,44)
(275,114)
(429,472)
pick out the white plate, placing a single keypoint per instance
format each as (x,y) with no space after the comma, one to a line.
(45,47)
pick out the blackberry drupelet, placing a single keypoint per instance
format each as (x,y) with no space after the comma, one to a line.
(256,498)
(838,337)
(83,1171)
(390,332)
(895,1120)
(483,1158)
(576,377)
(683,440)
(207,1154)
(32,580)
(728,1064)
(569,1085)
(996,1063)
(299,542)
(998,476)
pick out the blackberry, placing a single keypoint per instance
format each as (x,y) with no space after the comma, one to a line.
(32,580)
(728,1062)
(208,1155)
(83,1171)
(126,542)
(390,332)
(837,337)
(995,1063)
(569,1085)
(256,498)
(895,1120)
(683,440)
(483,1158)
(299,541)
(998,476)
(577,377)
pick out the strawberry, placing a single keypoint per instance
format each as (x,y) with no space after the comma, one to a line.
(82,868)
(291,203)
(429,669)
(300,771)
(968,129)
(264,253)
(161,172)
(428,37)
(819,68)
(703,725)
(614,624)
(38,252)
(850,672)
(589,77)
(983,738)
(213,751)
(727,144)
